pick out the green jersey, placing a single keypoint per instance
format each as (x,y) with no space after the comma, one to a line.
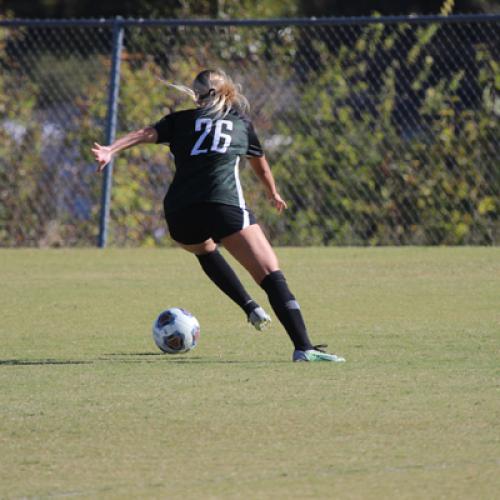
(207,153)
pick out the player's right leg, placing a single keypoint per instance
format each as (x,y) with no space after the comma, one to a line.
(252,249)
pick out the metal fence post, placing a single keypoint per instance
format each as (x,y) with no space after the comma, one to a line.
(114,89)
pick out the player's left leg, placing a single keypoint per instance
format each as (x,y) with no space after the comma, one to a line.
(191,228)
(221,273)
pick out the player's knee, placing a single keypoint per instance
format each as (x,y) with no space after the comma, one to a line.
(208,256)
(273,277)
(204,248)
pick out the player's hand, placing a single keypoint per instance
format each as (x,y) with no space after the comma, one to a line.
(278,202)
(103,155)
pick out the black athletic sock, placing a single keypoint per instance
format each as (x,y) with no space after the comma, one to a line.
(222,274)
(286,309)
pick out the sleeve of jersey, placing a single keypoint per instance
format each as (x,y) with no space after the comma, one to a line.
(254,147)
(164,129)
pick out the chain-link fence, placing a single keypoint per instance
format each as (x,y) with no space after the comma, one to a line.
(378,131)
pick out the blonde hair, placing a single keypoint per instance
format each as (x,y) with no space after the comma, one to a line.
(216,92)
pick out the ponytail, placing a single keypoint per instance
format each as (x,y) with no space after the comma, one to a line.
(216,92)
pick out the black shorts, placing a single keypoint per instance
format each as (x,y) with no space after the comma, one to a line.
(198,223)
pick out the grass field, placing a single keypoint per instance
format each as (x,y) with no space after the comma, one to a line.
(90,409)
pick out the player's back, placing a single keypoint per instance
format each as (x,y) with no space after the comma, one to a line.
(207,150)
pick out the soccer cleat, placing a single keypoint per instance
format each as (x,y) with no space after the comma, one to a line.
(259,319)
(316,354)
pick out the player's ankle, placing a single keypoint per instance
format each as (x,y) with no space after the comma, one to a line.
(250,306)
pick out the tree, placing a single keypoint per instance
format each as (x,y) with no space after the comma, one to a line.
(323,8)
(149,8)
(231,8)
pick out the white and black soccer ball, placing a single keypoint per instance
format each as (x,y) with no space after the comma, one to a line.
(176,331)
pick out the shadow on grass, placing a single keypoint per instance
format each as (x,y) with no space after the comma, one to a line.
(134,354)
(207,361)
(181,359)
(141,357)
(28,362)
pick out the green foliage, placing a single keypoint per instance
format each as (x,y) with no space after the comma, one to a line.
(42,175)
(23,173)
(371,182)
(352,174)
(151,8)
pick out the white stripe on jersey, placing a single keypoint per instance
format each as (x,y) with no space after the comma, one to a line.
(241,199)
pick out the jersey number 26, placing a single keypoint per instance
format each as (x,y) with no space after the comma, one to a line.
(220,142)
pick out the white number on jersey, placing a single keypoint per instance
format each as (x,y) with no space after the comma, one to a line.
(217,146)
(220,142)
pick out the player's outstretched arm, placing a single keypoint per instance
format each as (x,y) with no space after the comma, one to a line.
(261,168)
(103,154)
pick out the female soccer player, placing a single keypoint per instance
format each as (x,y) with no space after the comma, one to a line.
(205,202)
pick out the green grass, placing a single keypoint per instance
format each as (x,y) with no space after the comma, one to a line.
(88,408)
